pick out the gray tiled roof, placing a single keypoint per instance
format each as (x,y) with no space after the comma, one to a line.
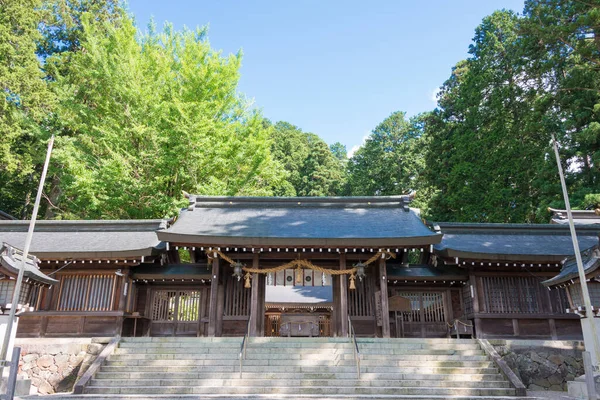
(10,263)
(85,239)
(591,262)
(4,215)
(580,217)
(514,242)
(397,270)
(329,221)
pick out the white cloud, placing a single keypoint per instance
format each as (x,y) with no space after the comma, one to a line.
(434,94)
(356,147)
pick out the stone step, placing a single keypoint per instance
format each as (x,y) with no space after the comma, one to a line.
(126,373)
(297,382)
(295,359)
(161,367)
(203,342)
(252,350)
(295,390)
(267,397)
(379,354)
(222,339)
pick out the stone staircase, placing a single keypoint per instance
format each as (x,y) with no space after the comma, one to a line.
(294,368)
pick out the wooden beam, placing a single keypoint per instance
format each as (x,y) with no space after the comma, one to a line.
(473,280)
(335,320)
(212,305)
(385,314)
(343,314)
(255,297)
(220,307)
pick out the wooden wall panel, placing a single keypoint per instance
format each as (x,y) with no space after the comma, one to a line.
(29,326)
(64,326)
(568,329)
(234,327)
(534,328)
(100,326)
(496,328)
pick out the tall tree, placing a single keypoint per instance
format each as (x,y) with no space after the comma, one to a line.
(489,151)
(312,168)
(151,117)
(61,26)
(564,38)
(390,160)
(24,106)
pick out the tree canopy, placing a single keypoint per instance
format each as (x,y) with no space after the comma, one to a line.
(141,117)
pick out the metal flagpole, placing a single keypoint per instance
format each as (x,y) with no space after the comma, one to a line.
(17,291)
(582,279)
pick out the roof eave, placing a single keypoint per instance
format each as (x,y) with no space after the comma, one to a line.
(476,256)
(232,241)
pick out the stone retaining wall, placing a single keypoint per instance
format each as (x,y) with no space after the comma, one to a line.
(542,364)
(54,365)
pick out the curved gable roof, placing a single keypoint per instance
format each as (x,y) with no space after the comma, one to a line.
(300,221)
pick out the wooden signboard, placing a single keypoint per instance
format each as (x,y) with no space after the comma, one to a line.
(399,304)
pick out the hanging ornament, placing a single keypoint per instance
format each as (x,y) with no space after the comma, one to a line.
(299,274)
(247,278)
(352,285)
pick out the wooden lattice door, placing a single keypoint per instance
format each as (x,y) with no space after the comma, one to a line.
(427,317)
(176,312)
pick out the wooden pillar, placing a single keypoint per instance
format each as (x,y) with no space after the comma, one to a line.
(255,299)
(335,313)
(212,304)
(385,313)
(343,310)
(122,299)
(474,288)
(220,307)
(260,319)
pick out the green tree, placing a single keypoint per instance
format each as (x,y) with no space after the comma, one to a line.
(339,151)
(390,160)
(564,40)
(24,107)
(312,168)
(61,26)
(149,118)
(488,159)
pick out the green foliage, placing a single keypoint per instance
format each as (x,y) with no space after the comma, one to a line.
(148,118)
(339,151)
(312,168)
(488,158)
(24,106)
(61,26)
(390,160)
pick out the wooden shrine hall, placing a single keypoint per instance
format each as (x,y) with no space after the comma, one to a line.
(298,267)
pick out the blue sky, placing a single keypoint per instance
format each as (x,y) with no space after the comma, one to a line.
(335,68)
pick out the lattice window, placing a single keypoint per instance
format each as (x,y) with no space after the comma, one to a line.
(559,302)
(237,298)
(360,300)
(86,292)
(512,294)
(163,305)
(425,306)
(176,305)
(7,287)
(467,300)
(593,288)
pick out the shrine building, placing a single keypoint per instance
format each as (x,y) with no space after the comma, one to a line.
(299,267)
